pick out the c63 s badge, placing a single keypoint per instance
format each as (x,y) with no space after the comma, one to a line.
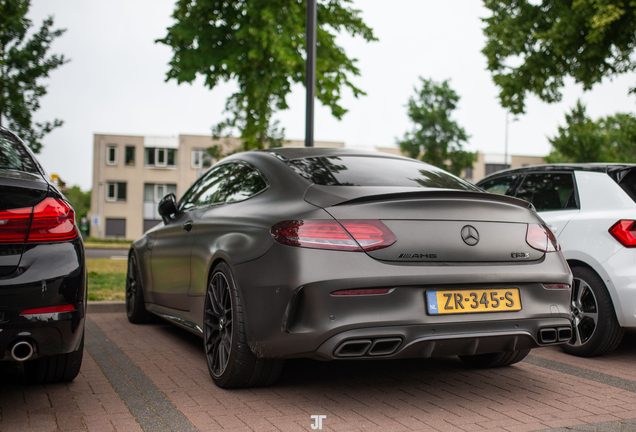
(430,255)
(520,255)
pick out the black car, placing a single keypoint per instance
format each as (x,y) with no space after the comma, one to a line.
(42,270)
(340,254)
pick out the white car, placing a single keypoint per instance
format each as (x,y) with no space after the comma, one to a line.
(591,208)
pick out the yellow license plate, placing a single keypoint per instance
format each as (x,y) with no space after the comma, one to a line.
(469,301)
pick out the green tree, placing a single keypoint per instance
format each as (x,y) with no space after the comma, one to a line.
(81,201)
(23,63)
(609,139)
(532,48)
(435,136)
(260,44)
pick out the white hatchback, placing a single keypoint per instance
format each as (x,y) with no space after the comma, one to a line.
(591,208)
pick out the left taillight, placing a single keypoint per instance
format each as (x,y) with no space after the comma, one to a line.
(625,232)
(53,221)
(344,235)
(14,225)
(541,238)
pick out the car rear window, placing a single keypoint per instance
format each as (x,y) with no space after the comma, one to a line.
(628,182)
(14,156)
(375,171)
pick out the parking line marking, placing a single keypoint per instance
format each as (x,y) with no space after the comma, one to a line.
(150,407)
(583,373)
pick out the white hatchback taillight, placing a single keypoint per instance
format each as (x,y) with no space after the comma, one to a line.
(346,235)
(625,232)
(541,238)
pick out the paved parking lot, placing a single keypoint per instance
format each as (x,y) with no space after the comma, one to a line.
(154,377)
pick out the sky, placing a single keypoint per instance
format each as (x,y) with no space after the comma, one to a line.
(115,82)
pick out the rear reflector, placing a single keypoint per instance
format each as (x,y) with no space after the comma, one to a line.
(361,292)
(556,286)
(47,310)
(346,235)
(541,238)
(14,225)
(625,232)
(53,220)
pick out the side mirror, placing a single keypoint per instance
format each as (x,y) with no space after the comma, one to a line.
(167,207)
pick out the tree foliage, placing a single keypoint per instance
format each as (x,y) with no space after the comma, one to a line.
(261,45)
(608,139)
(436,138)
(532,48)
(81,201)
(23,63)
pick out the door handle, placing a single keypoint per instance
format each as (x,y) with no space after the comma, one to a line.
(187,226)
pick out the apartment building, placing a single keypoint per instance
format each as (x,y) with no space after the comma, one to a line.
(131,174)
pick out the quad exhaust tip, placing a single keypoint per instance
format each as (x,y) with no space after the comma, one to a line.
(554,335)
(367,347)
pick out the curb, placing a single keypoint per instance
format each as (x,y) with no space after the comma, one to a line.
(106,307)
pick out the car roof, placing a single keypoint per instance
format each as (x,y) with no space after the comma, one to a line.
(604,167)
(305,152)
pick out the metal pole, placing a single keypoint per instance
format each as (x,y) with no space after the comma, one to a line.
(506,151)
(310,71)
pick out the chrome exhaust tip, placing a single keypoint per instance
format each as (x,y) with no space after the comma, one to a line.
(22,351)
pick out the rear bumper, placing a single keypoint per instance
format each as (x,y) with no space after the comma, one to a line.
(620,269)
(48,275)
(290,312)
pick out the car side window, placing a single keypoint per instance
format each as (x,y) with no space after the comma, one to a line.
(242,183)
(204,191)
(500,185)
(549,191)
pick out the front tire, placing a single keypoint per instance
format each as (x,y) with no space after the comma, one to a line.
(55,368)
(230,361)
(135,305)
(595,328)
(492,360)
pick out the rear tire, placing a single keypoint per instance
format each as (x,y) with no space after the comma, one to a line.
(492,360)
(135,305)
(595,329)
(56,368)
(231,363)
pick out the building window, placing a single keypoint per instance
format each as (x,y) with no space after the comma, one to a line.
(116,191)
(197,158)
(468,174)
(161,157)
(111,154)
(115,227)
(130,156)
(153,193)
(491,168)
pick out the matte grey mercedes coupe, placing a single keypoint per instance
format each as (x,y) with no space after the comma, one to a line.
(348,254)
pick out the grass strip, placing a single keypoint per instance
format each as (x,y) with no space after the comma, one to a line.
(106,279)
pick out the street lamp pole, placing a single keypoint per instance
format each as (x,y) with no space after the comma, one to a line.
(506,150)
(310,71)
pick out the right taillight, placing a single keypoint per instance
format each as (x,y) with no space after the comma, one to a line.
(625,232)
(14,225)
(541,238)
(53,221)
(345,235)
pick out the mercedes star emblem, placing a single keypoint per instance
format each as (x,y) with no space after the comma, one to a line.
(470,235)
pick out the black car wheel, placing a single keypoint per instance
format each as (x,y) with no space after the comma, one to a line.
(135,306)
(230,361)
(499,359)
(595,328)
(56,368)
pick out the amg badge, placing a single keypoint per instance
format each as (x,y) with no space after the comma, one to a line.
(432,256)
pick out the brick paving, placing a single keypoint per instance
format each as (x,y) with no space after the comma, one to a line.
(164,368)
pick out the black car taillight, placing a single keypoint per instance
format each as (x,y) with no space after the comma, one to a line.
(53,220)
(541,238)
(345,235)
(625,232)
(14,225)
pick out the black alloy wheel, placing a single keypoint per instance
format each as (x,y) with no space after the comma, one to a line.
(218,324)
(230,361)
(595,329)
(135,306)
